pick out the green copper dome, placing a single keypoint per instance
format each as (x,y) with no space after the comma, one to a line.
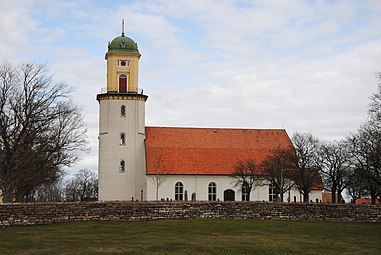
(123,45)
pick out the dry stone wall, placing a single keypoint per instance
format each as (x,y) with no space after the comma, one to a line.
(47,213)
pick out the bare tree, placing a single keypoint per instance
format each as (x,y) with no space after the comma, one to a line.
(365,155)
(357,184)
(334,164)
(372,129)
(83,186)
(48,192)
(160,176)
(305,174)
(41,130)
(366,147)
(246,177)
(278,170)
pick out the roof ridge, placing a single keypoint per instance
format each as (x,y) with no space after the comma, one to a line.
(217,128)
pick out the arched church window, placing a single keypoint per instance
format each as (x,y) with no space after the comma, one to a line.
(122,139)
(122,166)
(123,111)
(245,192)
(179,190)
(122,83)
(212,191)
(272,193)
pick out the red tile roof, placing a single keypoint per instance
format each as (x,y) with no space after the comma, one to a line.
(208,151)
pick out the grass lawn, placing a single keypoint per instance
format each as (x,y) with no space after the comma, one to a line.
(193,237)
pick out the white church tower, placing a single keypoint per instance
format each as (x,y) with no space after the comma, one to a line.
(121,166)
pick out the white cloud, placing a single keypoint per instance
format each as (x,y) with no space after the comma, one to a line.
(307,65)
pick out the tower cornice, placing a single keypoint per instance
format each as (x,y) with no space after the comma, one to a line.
(122,96)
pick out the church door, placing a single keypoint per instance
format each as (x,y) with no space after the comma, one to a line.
(229,195)
(122,83)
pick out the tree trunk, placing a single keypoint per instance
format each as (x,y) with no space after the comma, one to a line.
(333,195)
(306,197)
(339,197)
(373,198)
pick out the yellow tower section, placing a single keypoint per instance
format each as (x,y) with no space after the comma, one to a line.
(122,65)
(122,73)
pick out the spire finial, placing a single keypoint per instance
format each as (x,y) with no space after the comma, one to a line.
(122,27)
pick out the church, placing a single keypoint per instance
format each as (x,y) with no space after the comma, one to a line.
(137,162)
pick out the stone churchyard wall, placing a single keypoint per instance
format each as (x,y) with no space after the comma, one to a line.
(46,213)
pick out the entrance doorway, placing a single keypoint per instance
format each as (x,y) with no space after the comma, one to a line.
(229,195)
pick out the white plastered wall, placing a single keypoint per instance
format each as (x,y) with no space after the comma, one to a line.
(114,184)
(199,184)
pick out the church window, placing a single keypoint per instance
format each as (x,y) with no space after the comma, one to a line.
(179,187)
(123,111)
(272,193)
(245,193)
(122,83)
(122,166)
(122,139)
(212,191)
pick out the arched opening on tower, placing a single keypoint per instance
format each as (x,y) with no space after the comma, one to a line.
(122,139)
(123,111)
(122,83)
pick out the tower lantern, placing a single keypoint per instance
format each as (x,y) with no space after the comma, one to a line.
(122,65)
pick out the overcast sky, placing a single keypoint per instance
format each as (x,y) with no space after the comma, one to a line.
(306,66)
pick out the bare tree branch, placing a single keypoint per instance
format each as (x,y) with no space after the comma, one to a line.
(246,177)
(278,169)
(41,130)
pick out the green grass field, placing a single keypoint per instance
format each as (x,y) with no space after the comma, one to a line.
(193,237)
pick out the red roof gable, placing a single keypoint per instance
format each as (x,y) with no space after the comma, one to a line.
(208,151)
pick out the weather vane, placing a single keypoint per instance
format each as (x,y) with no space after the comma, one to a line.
(122,27)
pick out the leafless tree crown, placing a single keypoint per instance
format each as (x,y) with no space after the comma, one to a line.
(41,129)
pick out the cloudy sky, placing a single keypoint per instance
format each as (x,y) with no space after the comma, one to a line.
(306,66)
